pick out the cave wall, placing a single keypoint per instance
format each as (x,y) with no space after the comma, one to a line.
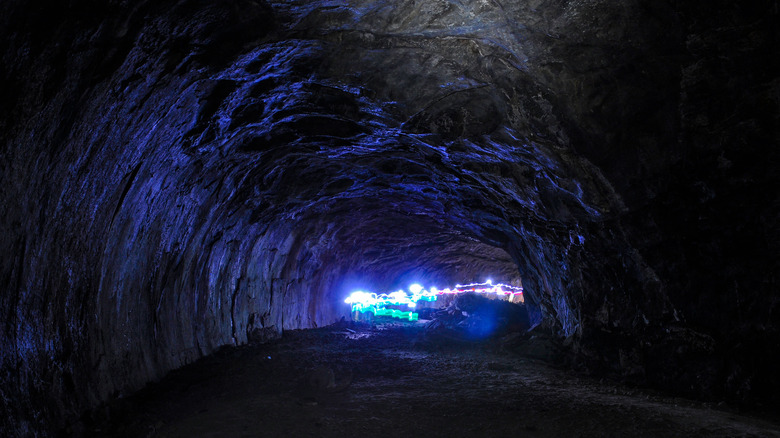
(176,175)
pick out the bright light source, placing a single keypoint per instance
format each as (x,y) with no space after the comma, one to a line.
(489,281)
(380,305)
(361,297)
(398,297)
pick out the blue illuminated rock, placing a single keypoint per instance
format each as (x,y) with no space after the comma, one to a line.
(180,176)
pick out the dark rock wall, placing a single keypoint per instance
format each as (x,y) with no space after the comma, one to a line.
(177,175)
(719,212)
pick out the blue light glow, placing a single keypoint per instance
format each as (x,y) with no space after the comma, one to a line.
(382,304)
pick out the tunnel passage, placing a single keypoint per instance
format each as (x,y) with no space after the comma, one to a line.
(177,175)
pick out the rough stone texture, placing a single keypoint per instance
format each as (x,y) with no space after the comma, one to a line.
(176,176)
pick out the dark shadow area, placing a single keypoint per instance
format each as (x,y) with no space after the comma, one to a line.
(401,379)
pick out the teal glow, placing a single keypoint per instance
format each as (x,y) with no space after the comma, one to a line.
(400,314)
(383,311)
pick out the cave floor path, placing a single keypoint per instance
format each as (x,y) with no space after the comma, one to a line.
(394,380)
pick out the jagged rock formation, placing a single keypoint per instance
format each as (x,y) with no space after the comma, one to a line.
(177,175)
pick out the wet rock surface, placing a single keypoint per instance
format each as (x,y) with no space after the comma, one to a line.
(180,176)
(394,380)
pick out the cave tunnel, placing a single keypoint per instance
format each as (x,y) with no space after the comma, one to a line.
(175,176)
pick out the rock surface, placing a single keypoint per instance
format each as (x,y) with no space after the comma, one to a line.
(474,317)
(176,176)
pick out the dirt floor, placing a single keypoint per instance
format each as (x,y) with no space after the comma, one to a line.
(394,380)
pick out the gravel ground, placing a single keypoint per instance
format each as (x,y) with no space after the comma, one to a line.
(394,380)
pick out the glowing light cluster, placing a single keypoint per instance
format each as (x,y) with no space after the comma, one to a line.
(394,304)
(488,287)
